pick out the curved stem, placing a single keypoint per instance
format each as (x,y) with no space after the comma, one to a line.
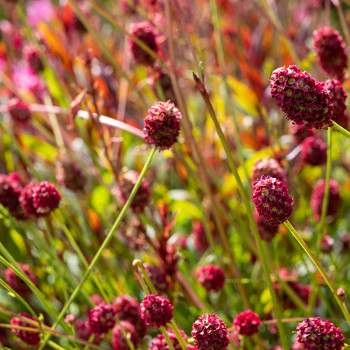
(103,246)
(261,251)
(341,129)
(319,268)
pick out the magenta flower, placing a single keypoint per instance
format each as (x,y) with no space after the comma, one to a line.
(247,323)
(156,310)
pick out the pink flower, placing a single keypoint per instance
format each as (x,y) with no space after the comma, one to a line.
(39,11)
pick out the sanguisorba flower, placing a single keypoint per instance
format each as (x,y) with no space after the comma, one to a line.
(143,31)
(268,167)
(266,231)
(19,110)
(210,332)
(338,99)
(156,310)
(159,342)
(316,334)
(46,198)
(29,337)
(162,125)
(17,284)
(247,323)
(271,200)
(313,151)
(317,195)
(211,277)
(102,318)
(330,49)
(157,276)
(303,99)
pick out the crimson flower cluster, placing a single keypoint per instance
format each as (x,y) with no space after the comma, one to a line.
(210,332)
(18,110)
(159,342)
(211,277)
(17,284)
(316,334)
(268,167)
(313,151)
(118,340)
(330,49)
(162,125)
(29,337)
(102,318)
(271,200)
(247,323)
(156,310)
(303,99)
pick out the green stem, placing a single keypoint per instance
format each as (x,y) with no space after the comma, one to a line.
(261,251)
(103,246)
(319,268)
(326,192)
(166,336)
(341,129)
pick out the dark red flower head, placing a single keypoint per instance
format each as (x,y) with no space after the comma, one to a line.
(118,340)
(313,151)
(210,332)
(211,277)
(45,198)
(300,132)
(18,110)
(330,50)
(271,200)
(156,310)
(162,125)
(70,175)
(10,191)
(159,342)
(32,56)
(247,323)
(268,167)
(303,99)
(84,332)
(102,318)
(317,198)
(316,334)
(128,309)
(17,284)
(30,338)
(143,31)
(338,99)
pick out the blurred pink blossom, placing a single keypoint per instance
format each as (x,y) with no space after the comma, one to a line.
(39,11)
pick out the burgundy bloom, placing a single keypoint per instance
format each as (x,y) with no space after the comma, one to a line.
(247,323)
(162,125)
(70,175)
(45,198)
(127,180)
(300,132)
(118,340)
(29,337)
(17,284)
(330,49)
(316,334)
(271,200)
(303,99)
(338,99)
(32,56)
(159,342)
(210,332)
(10,191)
(128,309)
(268,167)
(84,331)
(26,200)
(211,277)
(156,310)
(266,231)
(143,31)
(18,110)
(317,198)
(102,318)
(158,278)
(313,151)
